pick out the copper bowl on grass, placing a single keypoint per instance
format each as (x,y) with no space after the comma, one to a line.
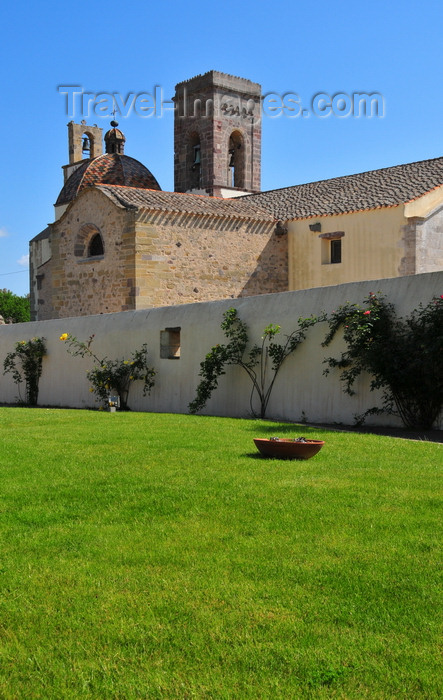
(286,448)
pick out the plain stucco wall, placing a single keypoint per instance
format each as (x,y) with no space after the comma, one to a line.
(300,386)
(373,246)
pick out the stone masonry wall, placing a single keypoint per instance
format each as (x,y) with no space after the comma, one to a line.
(408,265)
(160,259)
(423,244)
(429,237)
(42,309)
(185,258)
(212,107)
(83,285)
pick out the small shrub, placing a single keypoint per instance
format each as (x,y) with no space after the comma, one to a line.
(113,375)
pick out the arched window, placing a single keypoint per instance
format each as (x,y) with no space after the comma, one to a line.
(194,161)
(236,160)
(96,246)
(88,242)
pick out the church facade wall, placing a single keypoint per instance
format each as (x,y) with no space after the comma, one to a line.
(300,388)
(373,244)
(153,259)
(83,283)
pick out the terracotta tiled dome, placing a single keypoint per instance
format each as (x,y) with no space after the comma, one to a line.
(107,169)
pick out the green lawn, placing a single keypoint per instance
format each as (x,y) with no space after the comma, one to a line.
(158,556)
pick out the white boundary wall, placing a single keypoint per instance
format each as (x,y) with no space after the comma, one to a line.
(300,389)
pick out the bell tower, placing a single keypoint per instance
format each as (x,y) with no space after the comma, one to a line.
(217,135)
(84,142)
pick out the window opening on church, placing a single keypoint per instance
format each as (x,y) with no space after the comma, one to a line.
(336,251)
(197,156)
(231,176)
(331,247)
(236,154)
(170,344)
(115,140)
(96,246)
(196,161)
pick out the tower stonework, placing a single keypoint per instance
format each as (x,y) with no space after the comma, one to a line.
(217,135)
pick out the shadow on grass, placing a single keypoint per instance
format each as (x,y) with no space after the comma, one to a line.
(299,429)
(257,456)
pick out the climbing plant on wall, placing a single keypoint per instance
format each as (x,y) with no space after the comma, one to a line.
(261,363)
(25,364)
(404,356)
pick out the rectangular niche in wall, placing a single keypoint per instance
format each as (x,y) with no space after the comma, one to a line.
(170,344)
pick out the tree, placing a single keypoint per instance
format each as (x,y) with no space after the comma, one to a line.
(13,308)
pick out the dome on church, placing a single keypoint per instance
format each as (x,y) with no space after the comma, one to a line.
(107,169)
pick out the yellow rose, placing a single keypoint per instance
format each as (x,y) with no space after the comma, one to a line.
(64,336)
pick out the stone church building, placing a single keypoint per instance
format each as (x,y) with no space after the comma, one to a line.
(119,242)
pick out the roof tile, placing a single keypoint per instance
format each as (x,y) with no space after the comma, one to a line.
(130,197)
(387,187)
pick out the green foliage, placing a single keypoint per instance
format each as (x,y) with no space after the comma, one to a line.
(13,308)
(262,363)
(113,375)
(403,356)
(25,363)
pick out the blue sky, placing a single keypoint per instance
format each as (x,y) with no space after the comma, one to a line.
(393,49)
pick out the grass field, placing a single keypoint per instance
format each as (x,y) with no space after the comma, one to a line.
(158,556)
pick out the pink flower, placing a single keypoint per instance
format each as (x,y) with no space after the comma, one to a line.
(366,313)
(441,296)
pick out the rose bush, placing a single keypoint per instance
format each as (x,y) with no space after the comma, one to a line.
(404,356)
